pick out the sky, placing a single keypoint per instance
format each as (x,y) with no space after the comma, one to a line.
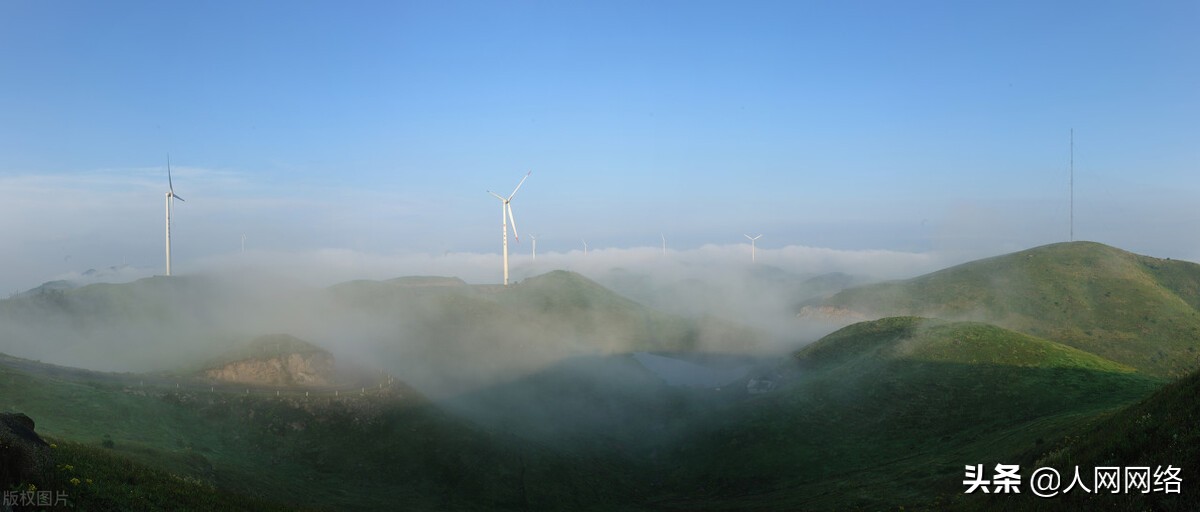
(373,130)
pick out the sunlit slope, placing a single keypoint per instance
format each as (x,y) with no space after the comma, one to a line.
(886,413)
(1133,309)
(352,451)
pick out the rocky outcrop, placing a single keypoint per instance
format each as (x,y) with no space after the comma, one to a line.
(283,370)
(276,360)
(24,456)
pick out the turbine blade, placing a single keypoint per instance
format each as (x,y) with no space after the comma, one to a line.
(510,196)
(497,196)
(513,221)
(177,197)
(170,185)
(747,236)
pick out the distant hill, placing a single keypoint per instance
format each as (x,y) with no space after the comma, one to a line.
(1135,310)
(887,412)
(439,333)
(449,339)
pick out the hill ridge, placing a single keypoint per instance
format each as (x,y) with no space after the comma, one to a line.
(1087,295)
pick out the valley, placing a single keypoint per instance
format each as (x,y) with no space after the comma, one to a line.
(558,394)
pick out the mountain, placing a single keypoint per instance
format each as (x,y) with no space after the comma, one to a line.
(1135,310)
(887,412)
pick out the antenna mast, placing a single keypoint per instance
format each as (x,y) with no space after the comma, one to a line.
(1072,239)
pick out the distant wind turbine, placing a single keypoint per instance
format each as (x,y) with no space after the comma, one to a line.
(243,243)
(171,197)
(505,217)
(584,247)
(752,240)
(664,239)
(534,239)
(1072,208)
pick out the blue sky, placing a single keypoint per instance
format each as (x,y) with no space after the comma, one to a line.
(377,127)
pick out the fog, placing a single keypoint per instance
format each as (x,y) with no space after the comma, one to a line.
(443,340)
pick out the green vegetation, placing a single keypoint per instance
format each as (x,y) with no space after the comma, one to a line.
(1132,309)
(90,477)
(885,414)
(1060,356)
(352,452)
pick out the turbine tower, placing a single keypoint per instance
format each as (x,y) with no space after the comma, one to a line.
(584,247)
(752,240)
(534,238)
(171,197)
(505,217)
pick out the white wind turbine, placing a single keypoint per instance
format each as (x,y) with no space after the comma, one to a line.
(171,197)
(584,247)
(505,217)
(664,239)
(752,240)
(534,239)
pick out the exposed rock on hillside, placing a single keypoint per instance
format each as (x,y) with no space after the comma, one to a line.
(23,455)
(275,360)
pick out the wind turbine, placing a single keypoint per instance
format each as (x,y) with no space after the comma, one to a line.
(584,247)
(752,240)
(664,239)
(505,217)
(534,238)
(171,197)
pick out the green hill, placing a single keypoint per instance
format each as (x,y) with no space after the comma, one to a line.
(886,413)
(1132,309)
(154,446)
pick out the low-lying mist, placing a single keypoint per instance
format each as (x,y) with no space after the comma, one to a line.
(445,337)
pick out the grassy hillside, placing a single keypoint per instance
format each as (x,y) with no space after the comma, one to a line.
(885,413)
(1136,310)
(378,450)
(1161,430)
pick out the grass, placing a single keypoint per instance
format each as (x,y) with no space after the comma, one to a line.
(94,478)
(1059,360)
(886,413)
(1132,309)
(347,453)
